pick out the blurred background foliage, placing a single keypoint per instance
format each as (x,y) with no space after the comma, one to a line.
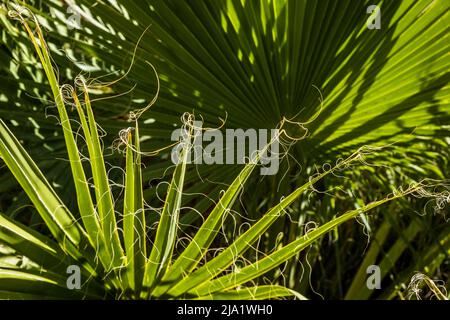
(252,63)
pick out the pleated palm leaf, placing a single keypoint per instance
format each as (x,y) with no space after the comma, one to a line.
(255,62)
(116,264)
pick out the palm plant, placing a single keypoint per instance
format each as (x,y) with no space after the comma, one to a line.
(118,266)
(258,62)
